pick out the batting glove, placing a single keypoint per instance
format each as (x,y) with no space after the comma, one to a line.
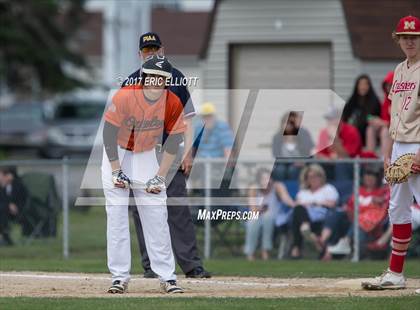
(119,179)
(156,185)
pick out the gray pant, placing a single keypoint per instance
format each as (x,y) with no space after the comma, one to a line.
(181,228)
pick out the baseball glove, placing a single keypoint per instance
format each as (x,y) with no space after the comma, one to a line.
(400,170)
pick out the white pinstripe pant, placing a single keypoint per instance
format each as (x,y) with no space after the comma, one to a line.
(402,194)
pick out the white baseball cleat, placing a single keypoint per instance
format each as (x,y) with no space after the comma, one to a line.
(171,287)
(118,287)
(389,280)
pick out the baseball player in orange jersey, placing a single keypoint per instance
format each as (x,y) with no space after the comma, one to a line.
(405,133)
(134,125)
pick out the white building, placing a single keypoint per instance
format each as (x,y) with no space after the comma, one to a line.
(302,44)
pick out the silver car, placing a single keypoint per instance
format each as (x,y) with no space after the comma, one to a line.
(74,126)
(23,125)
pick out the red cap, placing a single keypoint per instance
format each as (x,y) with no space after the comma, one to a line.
(408,25)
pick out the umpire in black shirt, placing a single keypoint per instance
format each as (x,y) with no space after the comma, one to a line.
(181,227)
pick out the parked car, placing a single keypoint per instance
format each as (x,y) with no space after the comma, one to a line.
(23,125)
(74,125)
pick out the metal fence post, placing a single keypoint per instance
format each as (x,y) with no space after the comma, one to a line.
(65,202)
(356,240)
(207,203)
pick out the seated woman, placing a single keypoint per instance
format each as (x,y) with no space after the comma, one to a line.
(313,201)
(273,195)
(373,208)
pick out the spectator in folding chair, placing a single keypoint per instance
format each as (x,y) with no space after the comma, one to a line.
(213,138)
(16,192)
(4,217)
(14,196)
(274,195)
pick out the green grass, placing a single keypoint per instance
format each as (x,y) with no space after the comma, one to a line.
(410,302)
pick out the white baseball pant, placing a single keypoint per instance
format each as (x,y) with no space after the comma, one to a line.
(139,167)
(402,194)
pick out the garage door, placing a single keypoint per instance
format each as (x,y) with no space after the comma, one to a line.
(274,66)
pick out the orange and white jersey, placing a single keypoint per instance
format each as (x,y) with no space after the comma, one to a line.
(142,123)
(405,107)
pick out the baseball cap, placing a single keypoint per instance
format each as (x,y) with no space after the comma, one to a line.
(408,25)
(157,65)
(149,39)
(207,108)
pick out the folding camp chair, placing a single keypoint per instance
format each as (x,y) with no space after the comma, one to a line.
(39,216)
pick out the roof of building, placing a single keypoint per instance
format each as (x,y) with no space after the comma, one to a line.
(182,33)
(370,26)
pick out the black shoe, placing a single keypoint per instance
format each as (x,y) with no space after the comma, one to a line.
(198,272)
(149,274)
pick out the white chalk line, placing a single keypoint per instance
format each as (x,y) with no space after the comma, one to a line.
(45,276)
(241,283)
(204,281)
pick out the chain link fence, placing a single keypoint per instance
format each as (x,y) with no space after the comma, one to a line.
(54,187)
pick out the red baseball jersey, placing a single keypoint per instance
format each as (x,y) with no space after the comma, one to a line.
(142,122)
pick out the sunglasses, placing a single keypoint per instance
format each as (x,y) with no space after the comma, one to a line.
(148,49)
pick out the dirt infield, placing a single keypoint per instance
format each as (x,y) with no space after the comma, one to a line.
(34,284)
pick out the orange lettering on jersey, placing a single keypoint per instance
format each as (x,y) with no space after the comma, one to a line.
(146,124)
